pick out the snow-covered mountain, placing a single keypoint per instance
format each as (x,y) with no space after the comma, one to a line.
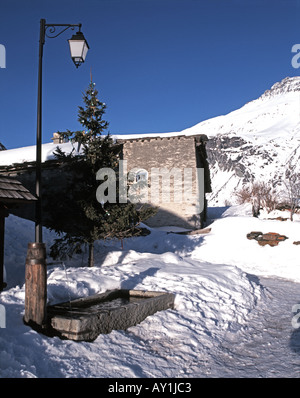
(257,142)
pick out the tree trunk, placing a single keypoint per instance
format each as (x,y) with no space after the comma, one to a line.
(91,254)
(292,214)
(255,207)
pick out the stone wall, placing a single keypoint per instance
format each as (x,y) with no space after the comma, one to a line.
(170,156)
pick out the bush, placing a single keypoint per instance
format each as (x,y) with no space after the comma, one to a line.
(260,195)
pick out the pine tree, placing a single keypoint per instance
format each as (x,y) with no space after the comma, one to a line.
(79,217)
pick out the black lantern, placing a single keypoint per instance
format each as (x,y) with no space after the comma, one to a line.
(78,48)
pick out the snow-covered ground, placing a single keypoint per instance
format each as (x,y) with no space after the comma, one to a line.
(233,304)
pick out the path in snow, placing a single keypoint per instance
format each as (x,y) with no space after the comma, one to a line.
(268,346)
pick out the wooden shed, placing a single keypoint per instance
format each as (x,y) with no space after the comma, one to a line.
(12,194)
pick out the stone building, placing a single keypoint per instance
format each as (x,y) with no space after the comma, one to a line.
(168,166)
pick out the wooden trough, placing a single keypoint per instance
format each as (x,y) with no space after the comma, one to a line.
(85,318)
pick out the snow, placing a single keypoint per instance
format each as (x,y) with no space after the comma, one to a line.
(269,128)
(234,299)
(232,315)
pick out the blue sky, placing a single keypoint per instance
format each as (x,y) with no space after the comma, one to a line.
(159,65)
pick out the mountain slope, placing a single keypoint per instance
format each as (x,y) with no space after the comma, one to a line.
(257,142)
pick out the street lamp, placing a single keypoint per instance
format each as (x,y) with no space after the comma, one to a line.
(35,273)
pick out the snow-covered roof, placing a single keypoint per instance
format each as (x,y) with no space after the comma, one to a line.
(28,154)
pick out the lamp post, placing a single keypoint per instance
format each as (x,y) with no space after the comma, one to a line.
(78,48)
(35,273)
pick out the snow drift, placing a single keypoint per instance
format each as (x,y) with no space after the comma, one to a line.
(216,293)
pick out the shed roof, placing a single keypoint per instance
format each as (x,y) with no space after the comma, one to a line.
(12,191)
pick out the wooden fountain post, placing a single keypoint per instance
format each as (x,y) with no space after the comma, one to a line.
(36,286)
